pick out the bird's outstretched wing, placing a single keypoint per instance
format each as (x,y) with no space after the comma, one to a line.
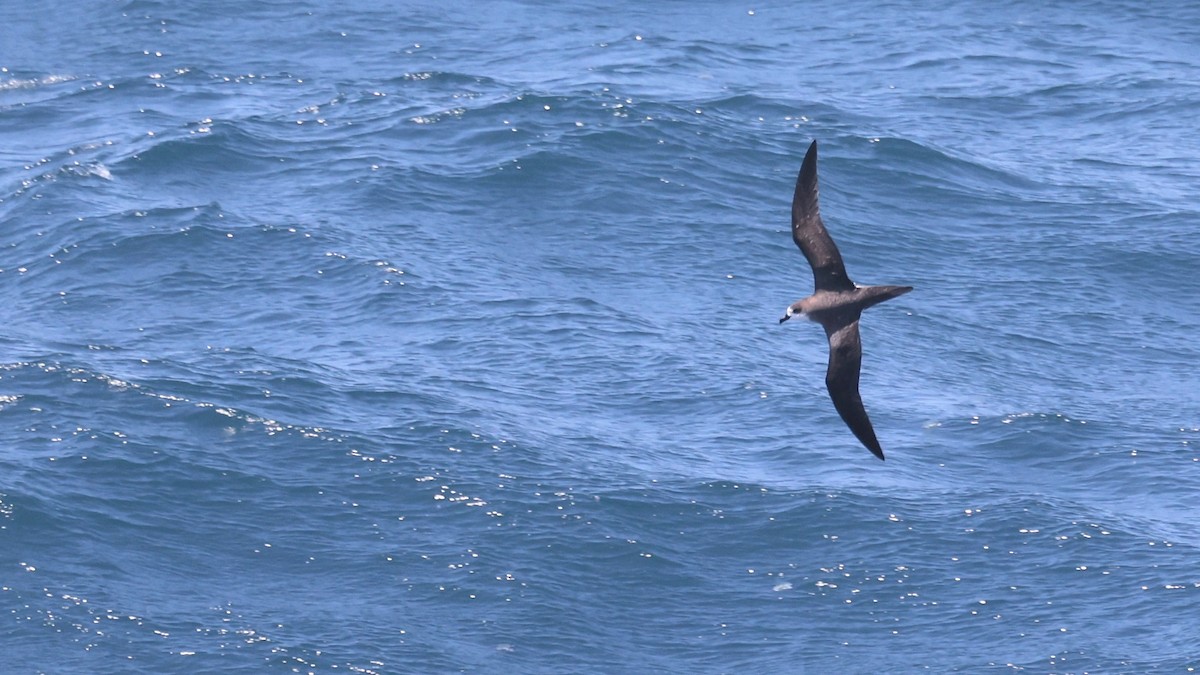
(829,273)
(845,364)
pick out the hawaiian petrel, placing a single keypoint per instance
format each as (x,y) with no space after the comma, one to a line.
(836,303)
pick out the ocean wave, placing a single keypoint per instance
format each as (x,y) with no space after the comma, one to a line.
(12,83)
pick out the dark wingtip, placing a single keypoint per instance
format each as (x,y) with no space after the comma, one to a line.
(810,159)
(804,201)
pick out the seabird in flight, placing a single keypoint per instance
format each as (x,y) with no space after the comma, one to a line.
(836,303)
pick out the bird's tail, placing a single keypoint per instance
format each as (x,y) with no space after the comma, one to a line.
(877,294)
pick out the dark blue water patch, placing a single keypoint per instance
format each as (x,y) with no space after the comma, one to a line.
(218,148)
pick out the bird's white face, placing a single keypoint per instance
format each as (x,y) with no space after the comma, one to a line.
(790,312)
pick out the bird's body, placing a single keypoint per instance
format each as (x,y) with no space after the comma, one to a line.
(836,304)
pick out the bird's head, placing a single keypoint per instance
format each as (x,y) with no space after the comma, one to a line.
(792,310)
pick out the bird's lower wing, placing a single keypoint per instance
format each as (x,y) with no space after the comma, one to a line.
(845,364)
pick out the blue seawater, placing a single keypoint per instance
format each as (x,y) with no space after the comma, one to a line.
(391,337)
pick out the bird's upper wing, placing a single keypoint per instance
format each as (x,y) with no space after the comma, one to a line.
(829,273)
(845,363)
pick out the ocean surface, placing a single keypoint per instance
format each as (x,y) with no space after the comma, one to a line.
(389,337)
